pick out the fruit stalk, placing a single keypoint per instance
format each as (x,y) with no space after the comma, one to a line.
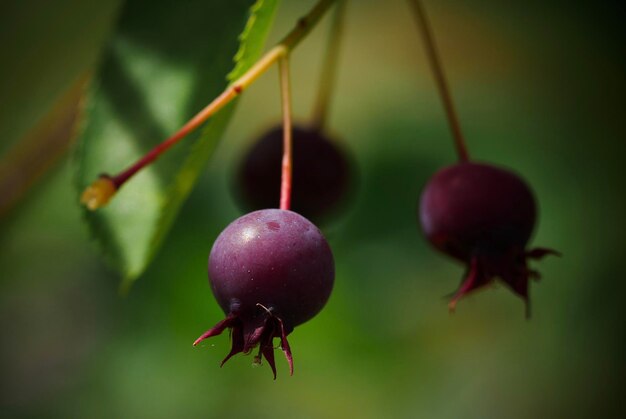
(329,68)
(287,163)
(101,191)
(440,78)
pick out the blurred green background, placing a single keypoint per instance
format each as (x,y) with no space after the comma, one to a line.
(539,87)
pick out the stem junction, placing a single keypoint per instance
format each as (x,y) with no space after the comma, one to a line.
(102,190)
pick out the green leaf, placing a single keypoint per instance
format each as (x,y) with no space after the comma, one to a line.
(165,61)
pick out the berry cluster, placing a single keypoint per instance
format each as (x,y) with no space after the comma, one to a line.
(272,269)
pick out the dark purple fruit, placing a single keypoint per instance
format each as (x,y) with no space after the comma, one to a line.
(270,271)
(320,179)
(483,216)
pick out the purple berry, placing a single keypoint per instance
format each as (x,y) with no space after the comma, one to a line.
(321,173)
(483,216)
(270,271)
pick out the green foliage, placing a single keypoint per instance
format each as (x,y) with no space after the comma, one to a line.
(159,68)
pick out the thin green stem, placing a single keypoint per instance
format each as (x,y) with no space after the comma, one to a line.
(101,191)
(329,68)
(287,163)
(440,78)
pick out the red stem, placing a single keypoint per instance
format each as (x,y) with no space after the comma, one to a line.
(287,163)
(191,125)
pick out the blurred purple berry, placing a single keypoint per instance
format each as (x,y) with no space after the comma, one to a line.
(321,173)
